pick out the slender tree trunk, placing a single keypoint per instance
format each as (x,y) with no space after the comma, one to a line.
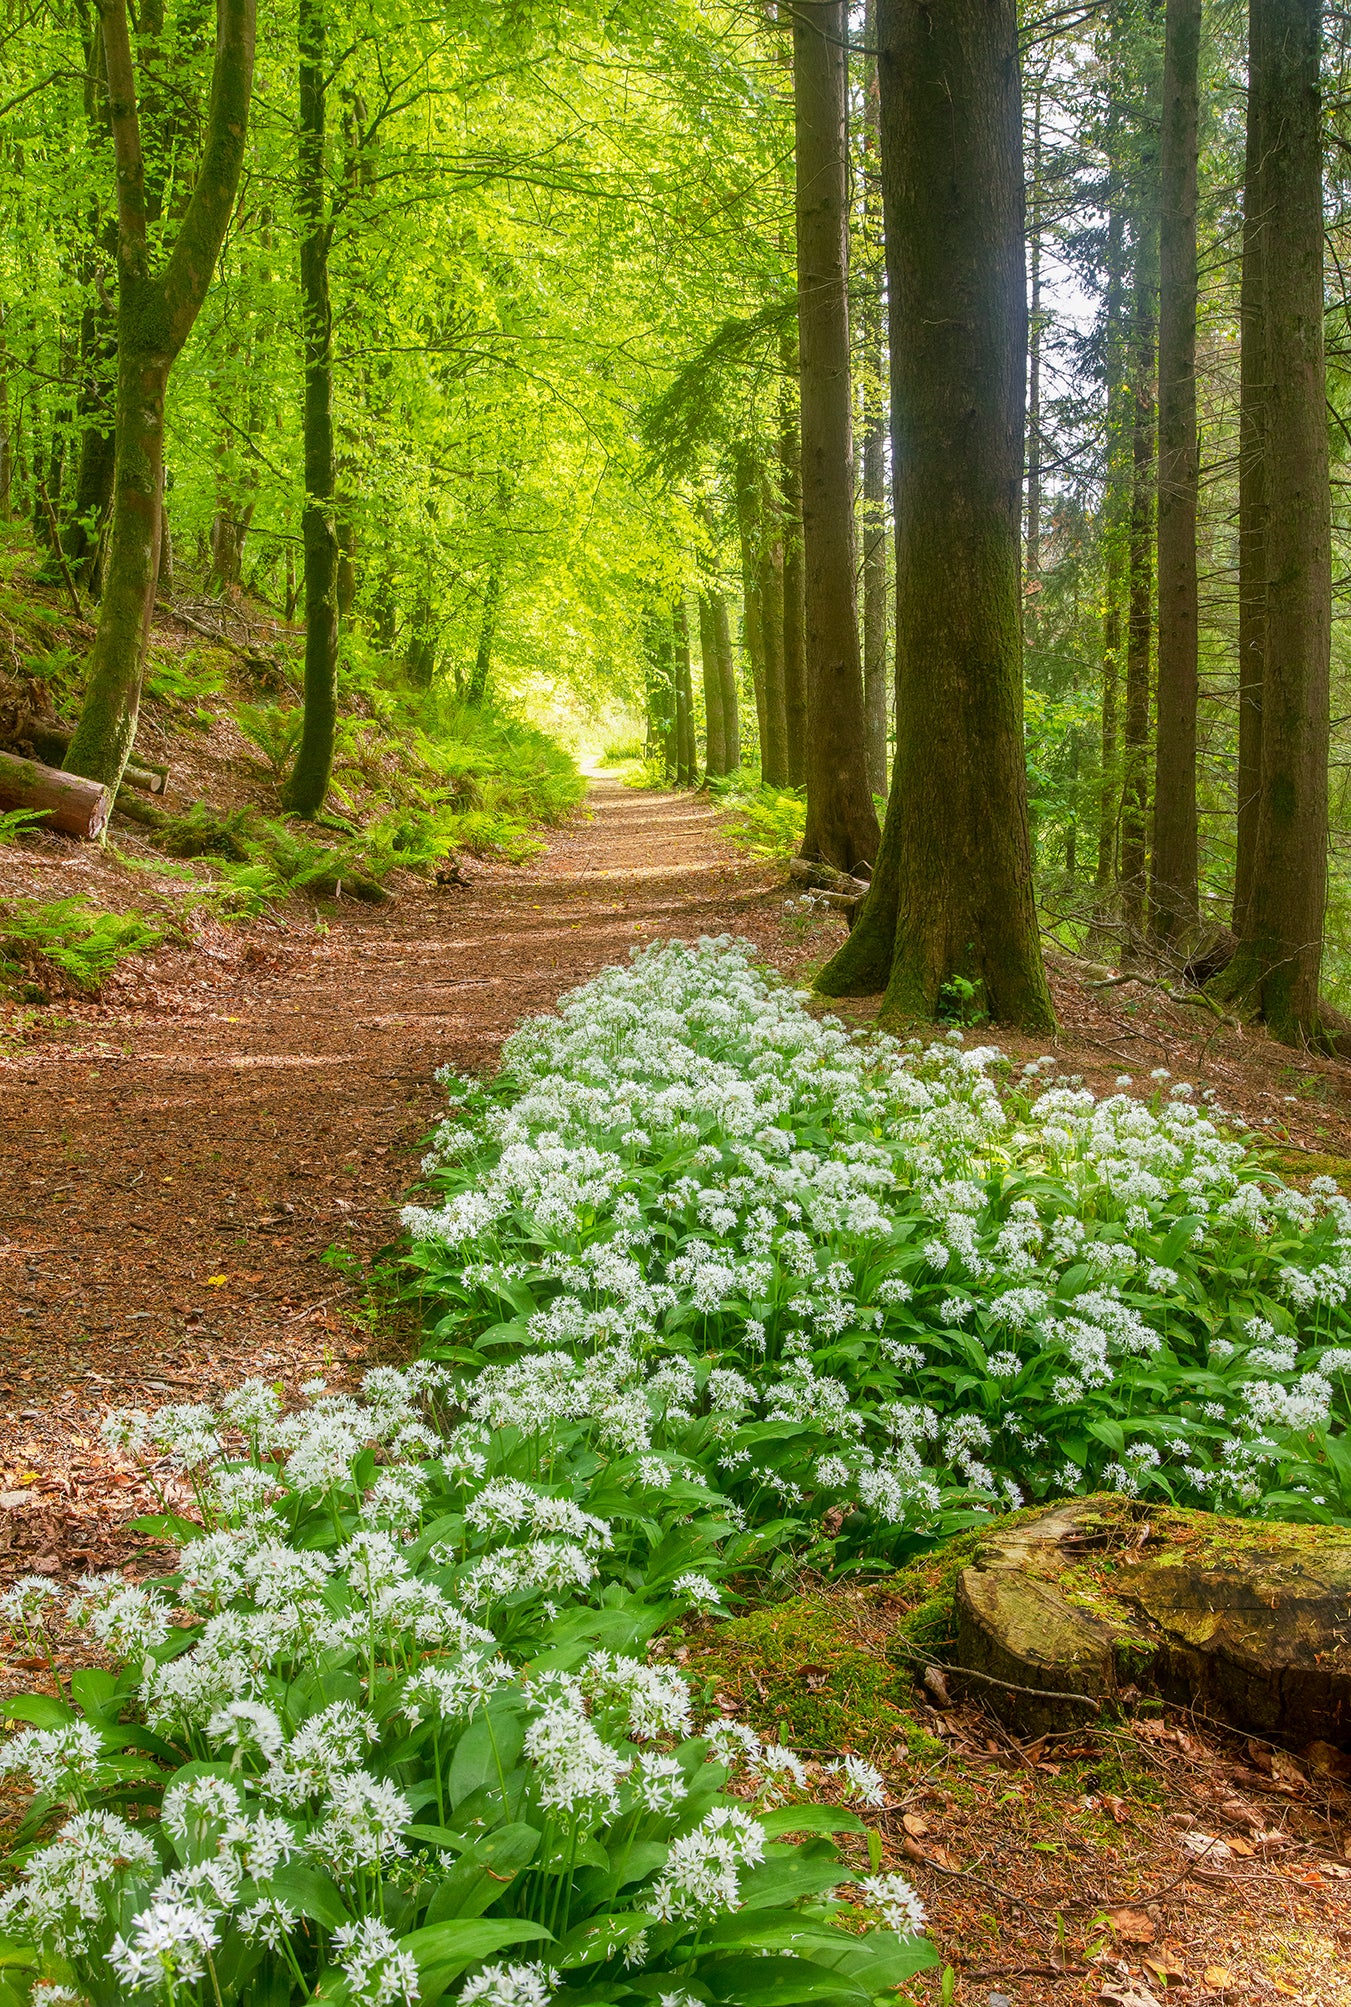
(952,893)
(1254,381)
(487,629)
(772,626)
(308,786)
(1140,563)
(873,321)
(731,722)
(841,824)
(1277,967)
(748,499)
(1032,563)
(687,766)
(1109,797)
(154,317)
(1175,906)
(794,602)
(715,738)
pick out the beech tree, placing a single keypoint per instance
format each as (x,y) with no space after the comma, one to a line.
(1276,970)
(841,826)
(951,915)
(155,312)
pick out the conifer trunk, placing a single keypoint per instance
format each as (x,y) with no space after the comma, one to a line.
(1276,969)
(952,893)
(841,824)
(307,788)
(155,313)
(1174,895)
(1032,562)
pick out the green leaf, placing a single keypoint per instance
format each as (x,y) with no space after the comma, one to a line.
(166,1526)
(493,1737)
(809,1819)
(39,1709)
(311,1893)
(599,1938)
(459,1943)
(777,1982)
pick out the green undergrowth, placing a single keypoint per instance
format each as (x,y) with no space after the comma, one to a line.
(65,945)
(767,821)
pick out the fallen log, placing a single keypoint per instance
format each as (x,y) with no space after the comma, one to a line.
(70,802)
(827,878)
(51,742)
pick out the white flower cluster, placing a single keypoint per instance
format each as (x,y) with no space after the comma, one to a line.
(714,1208)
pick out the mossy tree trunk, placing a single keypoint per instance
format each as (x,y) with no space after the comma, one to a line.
(155,313)
(731,719)
(748,513)
(686,760)
(307,789)
(1140,572)
(952,893)
(1174,896)
(841,827)
(1276,969)
(772,626)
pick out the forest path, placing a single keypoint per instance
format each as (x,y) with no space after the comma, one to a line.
(169,1180)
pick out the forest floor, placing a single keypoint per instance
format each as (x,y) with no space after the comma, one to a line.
(198,1170)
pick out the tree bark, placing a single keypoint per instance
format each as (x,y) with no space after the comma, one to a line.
(1277,966)
(772,624)
(715,738)
(874,386)
(794,602)
(308,786)
(952,892)
(731,721)
(1032,562)
(748,501)
(1140,567)
(1174,895)
(841,826)
(1254,380)
(79,807)
(155,313)
(687,767)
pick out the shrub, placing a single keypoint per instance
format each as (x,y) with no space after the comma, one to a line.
(885,1288)
(768,821)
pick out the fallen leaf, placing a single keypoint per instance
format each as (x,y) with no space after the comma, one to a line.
(1116,1807)
(215,1281)
(1165,1965)
(1219,1977)
(1237,1846)
(1206,1845)
(1134,1925)
(914,1825)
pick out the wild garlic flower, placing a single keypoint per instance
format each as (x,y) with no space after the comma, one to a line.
(511,1986)
(378,1974)
(900,1905)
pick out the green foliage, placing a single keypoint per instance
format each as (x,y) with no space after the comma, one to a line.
(17,822)
(895,1286)
(768,821)
(620,751)
(275,730)
(68,939)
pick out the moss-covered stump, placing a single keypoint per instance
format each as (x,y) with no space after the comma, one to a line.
(1101,1599)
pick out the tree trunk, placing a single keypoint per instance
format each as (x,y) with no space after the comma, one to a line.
(715,739)
(308,786)
(748,500)
(731,722)
(1276,969)
(1140,564)
(794,604)
(772,600)
(492,593)
(1108,793)
(951,915)
(873,317)
(686,765)
(1032,563)
(1252,510)
(1174,898)
(154,317)
(841,824)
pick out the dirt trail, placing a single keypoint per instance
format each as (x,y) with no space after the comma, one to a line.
(168,1183)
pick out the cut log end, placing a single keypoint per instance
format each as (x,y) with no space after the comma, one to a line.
(70,803)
